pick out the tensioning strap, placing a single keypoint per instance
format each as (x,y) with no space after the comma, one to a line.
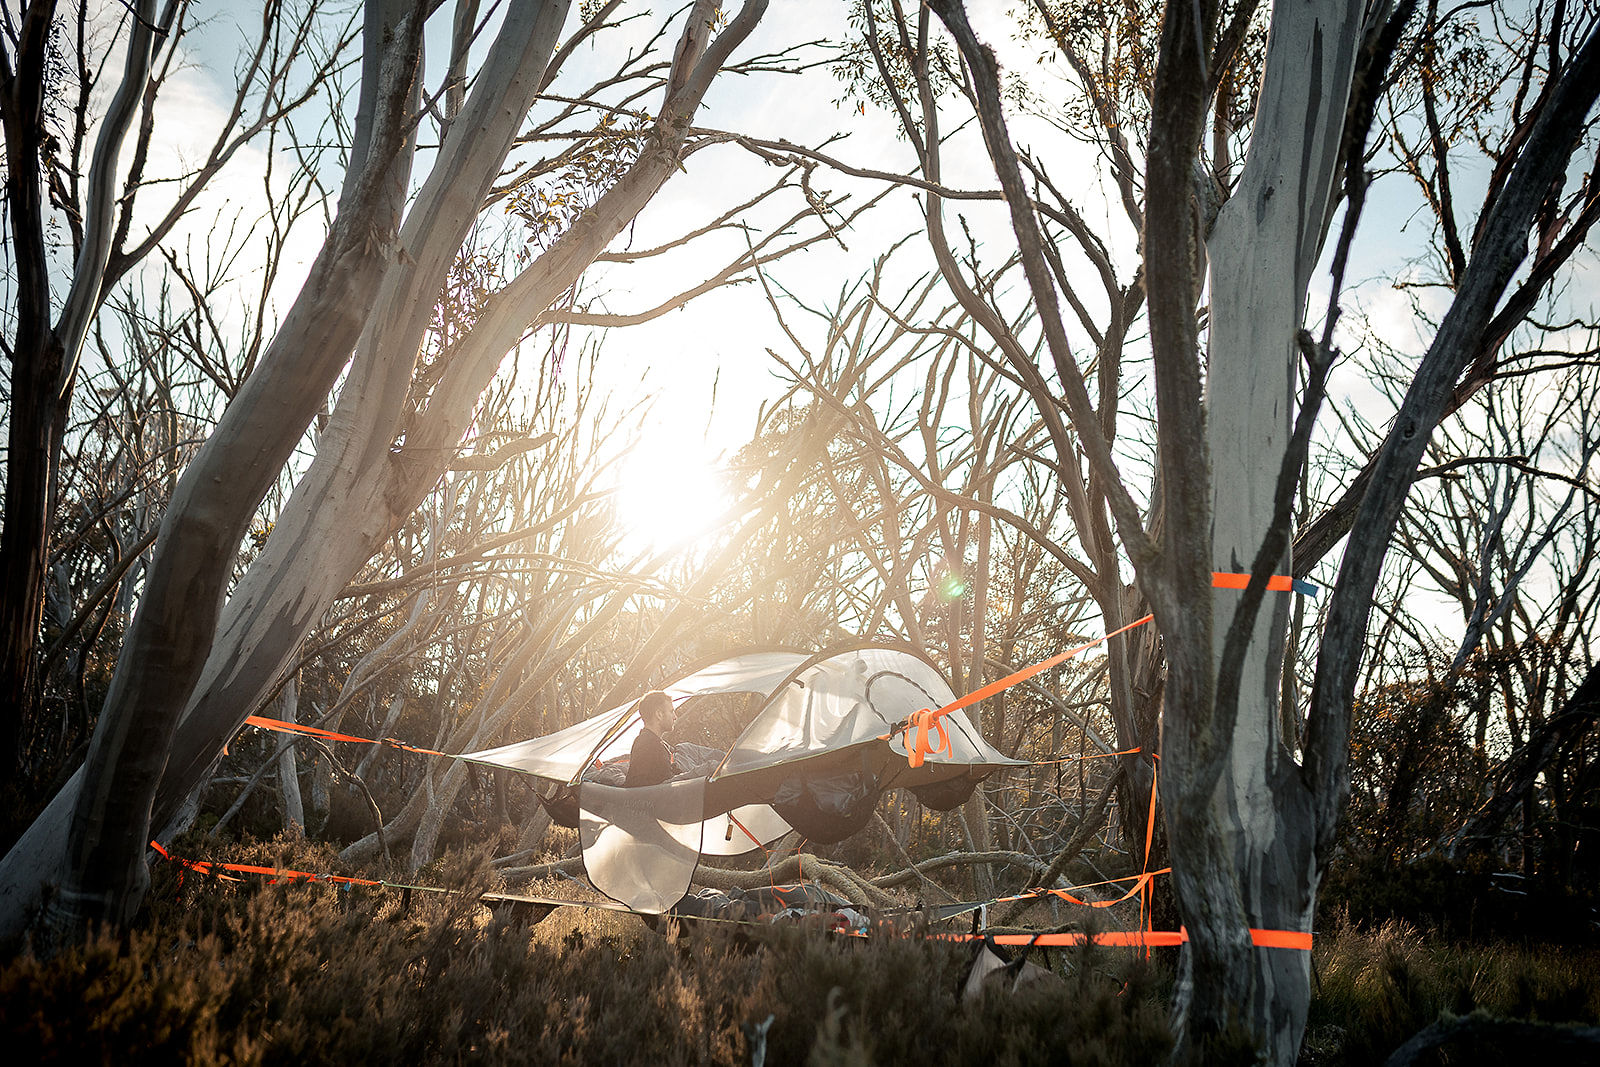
(329,735)
(275,873)
(1135,939)
(1277,583)
(917,747)
(921,729)
(1294,939)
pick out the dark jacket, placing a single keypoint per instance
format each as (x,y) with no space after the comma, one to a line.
(650,762)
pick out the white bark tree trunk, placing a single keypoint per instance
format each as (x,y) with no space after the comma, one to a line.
(360,486)
(103,869)
(1248,827)
(1261,253)
(294,811)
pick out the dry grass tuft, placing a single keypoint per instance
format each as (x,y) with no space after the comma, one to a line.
(1377,988)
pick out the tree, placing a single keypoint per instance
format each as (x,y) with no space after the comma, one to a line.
(944,565)
(198,657)
(49,73)
(1250,819)
(158,366)
(1502,523)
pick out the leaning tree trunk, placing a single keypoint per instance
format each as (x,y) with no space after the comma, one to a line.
(103,872)
(1261,254)
(176,658)
(360,486)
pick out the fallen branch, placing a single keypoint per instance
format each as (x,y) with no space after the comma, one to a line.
(1529,1039)
(570,865)
(830,875)
(958,859)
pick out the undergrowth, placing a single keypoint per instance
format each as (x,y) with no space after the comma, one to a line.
(1373,989)
(253,973)
(256,973)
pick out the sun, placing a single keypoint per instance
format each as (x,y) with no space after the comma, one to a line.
(670,495)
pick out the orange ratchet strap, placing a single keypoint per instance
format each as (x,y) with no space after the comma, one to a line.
(207,867)
(329,735)
(1132,939)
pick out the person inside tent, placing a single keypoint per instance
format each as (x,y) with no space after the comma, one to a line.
(651,761)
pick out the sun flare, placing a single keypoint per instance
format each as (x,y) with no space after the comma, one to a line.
(670,495)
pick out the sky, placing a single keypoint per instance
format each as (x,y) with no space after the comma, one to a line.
(722,338)
(717,345)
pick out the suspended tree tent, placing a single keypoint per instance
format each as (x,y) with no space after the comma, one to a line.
(830,735)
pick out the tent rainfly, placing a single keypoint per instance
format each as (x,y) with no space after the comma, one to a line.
(829,737)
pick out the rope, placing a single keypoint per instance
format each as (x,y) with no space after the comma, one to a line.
(1075,757)
(1143,938)
(329,735)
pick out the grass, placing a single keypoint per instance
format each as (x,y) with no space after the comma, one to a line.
(252,973)
(1373,989)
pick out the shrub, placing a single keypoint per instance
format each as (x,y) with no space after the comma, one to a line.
(255,973)
(1375,989)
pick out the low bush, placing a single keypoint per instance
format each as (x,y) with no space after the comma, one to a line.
(257,973)
(1373,989)
(254,973)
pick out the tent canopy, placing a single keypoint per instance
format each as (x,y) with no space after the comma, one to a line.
(814,703)
(827,739)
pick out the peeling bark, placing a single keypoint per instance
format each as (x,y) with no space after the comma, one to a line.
(1261,253)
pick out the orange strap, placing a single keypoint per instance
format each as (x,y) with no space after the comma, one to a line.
(1035,894)
(926,723)
(1219,579)
(1132,939)
(1140,882)
(732,822)
(1117,938)
(207,867)
(329,735)
(1146,908)
(1028,672)
(1277,583)
(1281,939)
(1137,939)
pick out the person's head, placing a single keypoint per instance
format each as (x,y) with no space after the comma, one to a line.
(657,711)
